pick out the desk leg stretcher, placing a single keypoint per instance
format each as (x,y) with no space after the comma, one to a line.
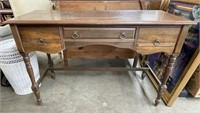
(35,84)
(51,64)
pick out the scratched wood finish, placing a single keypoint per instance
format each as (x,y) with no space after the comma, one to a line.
(125,45)
(150,50)
(98,52)
(165,35)
(95,18)
(48,26)
(99,5)
(49,37)
(167,39)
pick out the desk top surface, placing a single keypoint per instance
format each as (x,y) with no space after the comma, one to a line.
(117,17)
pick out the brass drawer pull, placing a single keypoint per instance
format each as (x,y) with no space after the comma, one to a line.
(75,35)
(41,41)
(156,42)
(122,35)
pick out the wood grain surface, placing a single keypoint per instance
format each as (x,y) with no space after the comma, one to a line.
(113,17)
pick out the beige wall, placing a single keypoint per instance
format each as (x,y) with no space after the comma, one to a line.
(21,7)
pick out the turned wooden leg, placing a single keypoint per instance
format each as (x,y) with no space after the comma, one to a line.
(50,62)
(143,75)
(135,60)
(35,86)
(61,58)
(167,73)
(66,60)
(144,72)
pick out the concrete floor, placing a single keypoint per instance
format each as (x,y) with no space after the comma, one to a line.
(93,92)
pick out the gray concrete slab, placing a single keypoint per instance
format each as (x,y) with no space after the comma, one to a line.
(93,92)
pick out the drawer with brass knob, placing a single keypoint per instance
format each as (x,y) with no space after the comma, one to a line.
(99,33)
(157,39)
(45,39)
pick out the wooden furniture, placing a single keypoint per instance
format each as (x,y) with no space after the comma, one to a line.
(54,31)
(90,52)
(170,97)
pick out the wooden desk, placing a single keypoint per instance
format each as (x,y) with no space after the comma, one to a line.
(98,5)
(143,31)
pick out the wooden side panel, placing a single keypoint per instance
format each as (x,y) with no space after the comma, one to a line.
(45,39)
(181,39)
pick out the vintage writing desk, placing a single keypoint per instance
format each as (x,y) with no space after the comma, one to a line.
(98,51)
(142,31)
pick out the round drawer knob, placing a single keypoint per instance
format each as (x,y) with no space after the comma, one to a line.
(156,42)
(41,41)
(75,35)
(122,35)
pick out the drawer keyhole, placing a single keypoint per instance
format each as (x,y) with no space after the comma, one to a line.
(122,35)
(75,35)
(157,42)
(41,41)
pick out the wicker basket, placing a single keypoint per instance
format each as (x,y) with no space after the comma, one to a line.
(13,66)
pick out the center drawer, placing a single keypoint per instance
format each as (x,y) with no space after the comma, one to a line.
(99,33)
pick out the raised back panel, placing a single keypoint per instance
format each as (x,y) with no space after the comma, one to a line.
(100,5)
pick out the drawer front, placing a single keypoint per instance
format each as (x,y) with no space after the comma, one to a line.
(159,39)
(99,33)
(158,36)
(45,39)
